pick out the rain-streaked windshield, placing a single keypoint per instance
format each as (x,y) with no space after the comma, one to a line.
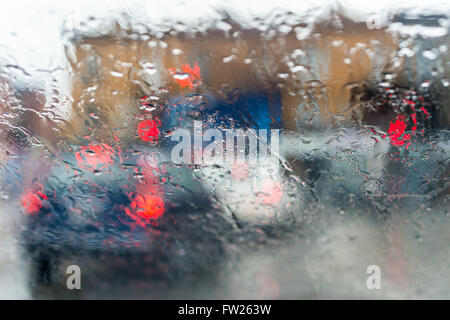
(239,150)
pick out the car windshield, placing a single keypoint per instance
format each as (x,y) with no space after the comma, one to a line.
(224,150)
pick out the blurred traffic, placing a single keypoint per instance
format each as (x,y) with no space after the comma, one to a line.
(344,163)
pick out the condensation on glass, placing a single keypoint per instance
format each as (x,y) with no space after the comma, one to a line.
(356,98)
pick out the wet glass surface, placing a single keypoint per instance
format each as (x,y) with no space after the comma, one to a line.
(185,150)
